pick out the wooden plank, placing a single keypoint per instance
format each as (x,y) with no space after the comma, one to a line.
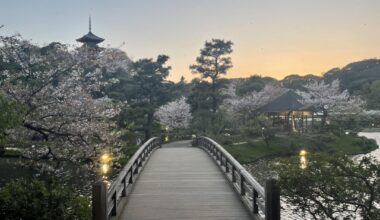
(182,182)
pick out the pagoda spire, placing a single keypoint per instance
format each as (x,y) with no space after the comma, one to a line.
(89,23)
(90,39)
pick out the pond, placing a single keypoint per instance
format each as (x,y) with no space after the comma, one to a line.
(375,136)
(257,169)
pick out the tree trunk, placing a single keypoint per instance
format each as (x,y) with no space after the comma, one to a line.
(324,117)
(149,126)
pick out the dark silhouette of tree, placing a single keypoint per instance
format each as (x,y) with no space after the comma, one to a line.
(145,92)
(213,62)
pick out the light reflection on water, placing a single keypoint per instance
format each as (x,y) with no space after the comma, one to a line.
(286,214)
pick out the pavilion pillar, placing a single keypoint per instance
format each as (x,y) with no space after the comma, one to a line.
(306,122)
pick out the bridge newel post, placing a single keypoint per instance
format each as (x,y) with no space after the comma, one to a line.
(99,201)
(272,200)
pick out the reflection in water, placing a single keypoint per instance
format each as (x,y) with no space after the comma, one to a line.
(375,136)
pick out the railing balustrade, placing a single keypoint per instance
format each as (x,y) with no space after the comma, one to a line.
(263,204)
(105,201)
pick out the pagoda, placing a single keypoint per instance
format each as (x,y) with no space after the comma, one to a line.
(90,39)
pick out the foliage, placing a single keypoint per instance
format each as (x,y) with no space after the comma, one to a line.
(245,107)
(10,116)
(253,83)
(373,96)
(66,115)
(200,104)
(211,64)
(35,199)
(145,92)
(329,99)
(358,78)
(331,186)
(296,82)
(283,145)
(260,126)
(174,114)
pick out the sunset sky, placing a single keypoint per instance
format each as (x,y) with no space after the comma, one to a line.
(271,38)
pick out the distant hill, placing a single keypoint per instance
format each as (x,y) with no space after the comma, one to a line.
(297,82)
(360,78)
(356,75)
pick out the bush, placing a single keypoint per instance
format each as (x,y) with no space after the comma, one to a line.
(2,150)
(330,186)
(36,199)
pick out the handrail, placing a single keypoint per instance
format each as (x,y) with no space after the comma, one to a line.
(261,203)
(105,201)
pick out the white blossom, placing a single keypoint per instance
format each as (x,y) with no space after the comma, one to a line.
(63,120)
(329,97)
(251,102)
(175,114)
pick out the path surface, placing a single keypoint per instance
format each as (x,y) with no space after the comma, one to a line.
(182,182)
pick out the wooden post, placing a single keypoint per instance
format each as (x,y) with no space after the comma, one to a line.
(242,186)
(99,201)
(255,207)
(272,200)
(227,168)
(233,174)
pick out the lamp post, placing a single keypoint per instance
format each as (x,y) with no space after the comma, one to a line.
(105,160)
(99,189)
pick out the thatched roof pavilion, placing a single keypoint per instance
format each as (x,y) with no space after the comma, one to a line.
(289,109)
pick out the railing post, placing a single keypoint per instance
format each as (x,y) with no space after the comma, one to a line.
(226,164)
(242,186)
(272,200)
(124,191)
(99,201)
(114,202)
(255,207)
(233,174)
(131,177)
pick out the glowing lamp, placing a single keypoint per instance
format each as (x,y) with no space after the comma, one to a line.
(303,153)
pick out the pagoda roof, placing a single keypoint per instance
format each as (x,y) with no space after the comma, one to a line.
(287,102)
(90,37)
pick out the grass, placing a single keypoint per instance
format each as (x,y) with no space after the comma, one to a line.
(371,130)
(287,145)
(11,153)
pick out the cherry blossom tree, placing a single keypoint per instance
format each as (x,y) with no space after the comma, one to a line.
(67,118)
(175,114)
(249,103)
(330,99)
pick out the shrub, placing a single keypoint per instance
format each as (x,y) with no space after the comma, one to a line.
(36,199)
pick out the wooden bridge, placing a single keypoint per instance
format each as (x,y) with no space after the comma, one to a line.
(185,180)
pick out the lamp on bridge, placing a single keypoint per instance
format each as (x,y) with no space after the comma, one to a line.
(105,160)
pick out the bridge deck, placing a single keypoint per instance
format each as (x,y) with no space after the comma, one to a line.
(182,182)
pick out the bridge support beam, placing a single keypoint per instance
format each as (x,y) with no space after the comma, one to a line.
(99,201)
(272,200)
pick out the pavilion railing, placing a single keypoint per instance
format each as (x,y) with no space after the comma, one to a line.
(262,203)
(106,200)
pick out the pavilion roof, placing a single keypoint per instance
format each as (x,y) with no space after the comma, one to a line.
(289,101)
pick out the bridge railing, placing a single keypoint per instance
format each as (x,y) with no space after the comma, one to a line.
(262,203)
(106,200)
